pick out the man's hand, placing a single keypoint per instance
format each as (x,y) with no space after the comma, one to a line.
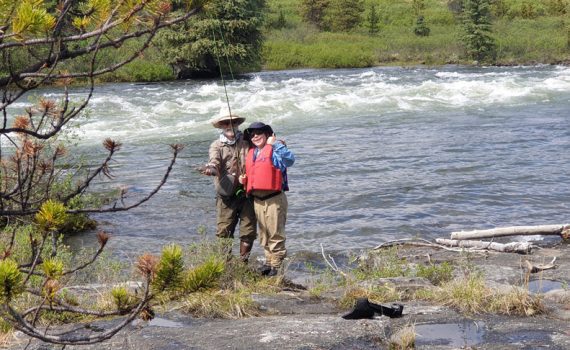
(208,170)
(242,179)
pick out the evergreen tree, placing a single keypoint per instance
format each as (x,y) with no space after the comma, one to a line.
(373,20)
(313,11)
(281,22)
(421,29)
(225,37)
(344,15)
(477,30)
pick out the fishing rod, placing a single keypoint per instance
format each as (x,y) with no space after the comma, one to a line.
(217,55)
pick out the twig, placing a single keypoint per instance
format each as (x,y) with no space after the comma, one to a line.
(413,241)
(332,265)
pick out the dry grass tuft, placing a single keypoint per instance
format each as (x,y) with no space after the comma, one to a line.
(7,339)
(471,295)
(403,338)
(221,304)
(517,302)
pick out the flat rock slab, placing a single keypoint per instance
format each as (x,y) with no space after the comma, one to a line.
(270,332)
(436,327)
(294,320)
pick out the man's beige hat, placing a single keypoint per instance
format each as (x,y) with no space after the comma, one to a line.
(235,119)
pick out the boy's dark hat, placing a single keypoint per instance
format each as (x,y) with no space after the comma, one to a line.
(257,126)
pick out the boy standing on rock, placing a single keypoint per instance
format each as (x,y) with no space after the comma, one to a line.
(266,181)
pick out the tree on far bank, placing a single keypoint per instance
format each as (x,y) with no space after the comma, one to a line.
(281,22)
(43,185)
(344,15)
(420,28)
(225,36)
(477,31)
(373,20)
(313,11)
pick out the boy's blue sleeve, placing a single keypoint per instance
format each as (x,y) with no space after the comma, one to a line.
(282,156)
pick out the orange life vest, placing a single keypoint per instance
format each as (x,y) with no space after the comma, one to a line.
(261,173)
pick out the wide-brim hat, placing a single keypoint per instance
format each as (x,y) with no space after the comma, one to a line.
(257,126)
(235,119)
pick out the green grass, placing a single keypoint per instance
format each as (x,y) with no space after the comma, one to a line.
(301,48)
(540,39)
(543,39)
(149,67)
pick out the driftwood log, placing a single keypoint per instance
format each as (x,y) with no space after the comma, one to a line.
(561,230)
(514,247)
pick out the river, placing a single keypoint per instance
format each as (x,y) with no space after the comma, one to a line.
(382,153)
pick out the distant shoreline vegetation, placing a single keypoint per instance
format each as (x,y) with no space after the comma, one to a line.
(371,33)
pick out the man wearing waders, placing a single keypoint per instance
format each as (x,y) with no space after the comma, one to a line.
(226,163)
(266,181)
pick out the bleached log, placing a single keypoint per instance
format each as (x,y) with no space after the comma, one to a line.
(514,247)
(561,230)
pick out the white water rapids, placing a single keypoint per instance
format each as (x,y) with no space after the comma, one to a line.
(382,153)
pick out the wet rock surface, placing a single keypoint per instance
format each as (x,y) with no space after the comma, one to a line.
(294,320)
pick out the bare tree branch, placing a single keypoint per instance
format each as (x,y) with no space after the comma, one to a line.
(32,166)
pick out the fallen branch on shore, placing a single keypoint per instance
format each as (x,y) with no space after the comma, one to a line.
(513,247)
(534,268)
(561,230)
(419,242)
(408,241)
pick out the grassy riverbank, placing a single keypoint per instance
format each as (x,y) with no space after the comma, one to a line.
(542,38)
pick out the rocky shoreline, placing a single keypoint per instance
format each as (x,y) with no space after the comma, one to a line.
(293,319)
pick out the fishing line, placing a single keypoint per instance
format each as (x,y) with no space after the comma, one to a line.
(217,54)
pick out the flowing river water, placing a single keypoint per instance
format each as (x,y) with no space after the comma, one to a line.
(382,153)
